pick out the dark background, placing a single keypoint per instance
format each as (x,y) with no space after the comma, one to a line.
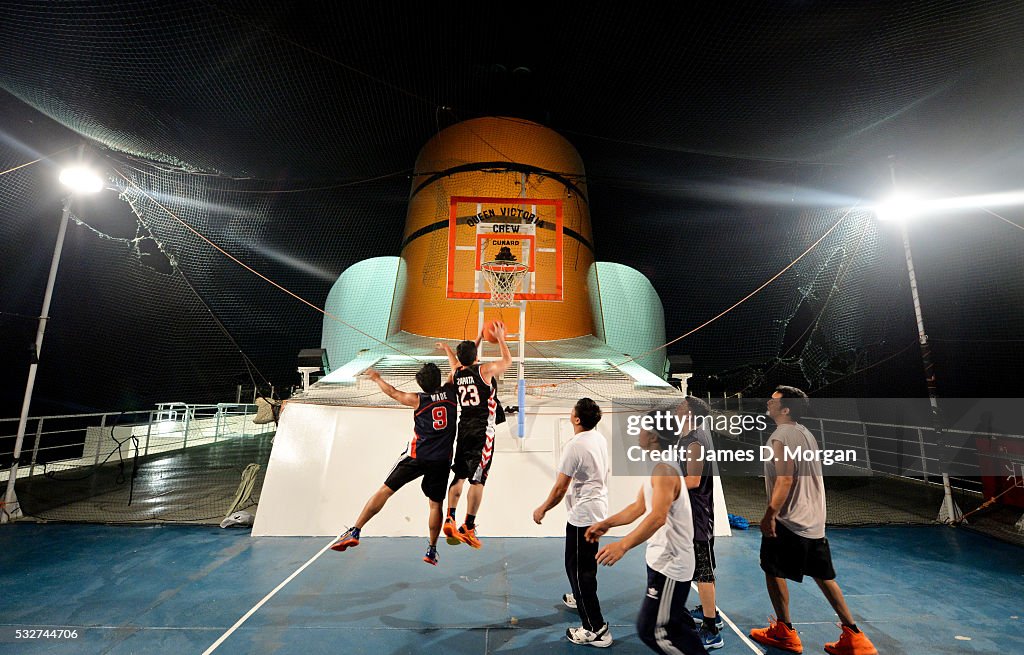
(720,143)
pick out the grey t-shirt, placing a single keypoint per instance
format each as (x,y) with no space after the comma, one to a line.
(803,511)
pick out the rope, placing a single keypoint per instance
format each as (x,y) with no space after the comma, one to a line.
(718,316)
(255,272)
(36,161)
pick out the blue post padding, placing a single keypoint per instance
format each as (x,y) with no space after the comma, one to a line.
(522,408)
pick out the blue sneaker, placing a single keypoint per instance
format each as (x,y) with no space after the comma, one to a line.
(348,540)
(711,640)
(431,556)
(698,617)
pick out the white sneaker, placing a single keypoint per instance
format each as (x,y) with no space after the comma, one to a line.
(569,601)
(580,635)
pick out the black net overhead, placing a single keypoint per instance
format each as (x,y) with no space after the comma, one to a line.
(719,146)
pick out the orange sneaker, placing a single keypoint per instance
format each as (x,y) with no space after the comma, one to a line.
(450,532)
(778,635)
(348,540)
(468,536)
(851,643)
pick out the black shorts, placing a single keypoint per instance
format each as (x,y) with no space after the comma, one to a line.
(435,476)
(788,555)
(704,554)
(468,457)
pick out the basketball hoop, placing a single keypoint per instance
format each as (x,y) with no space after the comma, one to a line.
(504,278)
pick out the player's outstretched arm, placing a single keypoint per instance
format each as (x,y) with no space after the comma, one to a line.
(453,361)
(498,368)
(666,488)
(629,513)
(409,399)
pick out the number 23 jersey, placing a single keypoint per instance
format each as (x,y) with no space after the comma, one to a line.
(478,402)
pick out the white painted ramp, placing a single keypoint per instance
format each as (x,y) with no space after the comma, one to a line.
(328,459)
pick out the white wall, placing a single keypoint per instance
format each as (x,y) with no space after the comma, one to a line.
(327,460)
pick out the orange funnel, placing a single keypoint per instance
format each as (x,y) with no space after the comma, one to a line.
(494,158)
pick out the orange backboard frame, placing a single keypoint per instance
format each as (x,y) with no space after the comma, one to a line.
(452,226)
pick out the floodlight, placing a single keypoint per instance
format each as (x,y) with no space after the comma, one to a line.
(899,207)
(81,179)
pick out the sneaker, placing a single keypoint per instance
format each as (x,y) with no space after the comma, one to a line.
(602,638)
(711,640)
(779,635)
(450,532)
(348,540)
(468,536)
(431,556)
(698,617)
(851,643)
(569,601)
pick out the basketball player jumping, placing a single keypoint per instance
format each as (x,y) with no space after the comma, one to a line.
(429,454)
(477,387)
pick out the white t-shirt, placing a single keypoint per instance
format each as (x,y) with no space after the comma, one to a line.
(585,460)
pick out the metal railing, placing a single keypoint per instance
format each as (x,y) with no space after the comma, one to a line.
(908,451)
(69,440)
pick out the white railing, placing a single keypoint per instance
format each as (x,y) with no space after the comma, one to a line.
(909,451)
(72,440)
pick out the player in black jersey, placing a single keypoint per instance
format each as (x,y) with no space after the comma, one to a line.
(477,386)
(429,453)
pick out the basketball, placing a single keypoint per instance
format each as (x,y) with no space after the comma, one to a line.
(489,334)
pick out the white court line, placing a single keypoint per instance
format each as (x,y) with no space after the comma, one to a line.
(732,625)
(258,605)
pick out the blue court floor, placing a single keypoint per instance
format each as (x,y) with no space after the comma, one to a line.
(178,589)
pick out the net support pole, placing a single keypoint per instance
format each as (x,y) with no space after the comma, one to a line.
(522,370)
(11,509)
(522,408)
(948,512)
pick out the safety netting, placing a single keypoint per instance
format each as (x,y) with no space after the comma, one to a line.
(728,156)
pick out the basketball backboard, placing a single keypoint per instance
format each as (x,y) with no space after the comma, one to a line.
(524,230)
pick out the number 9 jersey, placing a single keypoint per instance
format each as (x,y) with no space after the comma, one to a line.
(434,425)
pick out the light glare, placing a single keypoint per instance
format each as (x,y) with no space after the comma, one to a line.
(899,207)
(903,206)
(81,180)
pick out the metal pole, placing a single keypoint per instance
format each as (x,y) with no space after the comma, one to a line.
(149,431)
(99,441)
(216,429)
(10,508)
(926,358)
(924,456)
(188,416)
(35,448)
(867,450)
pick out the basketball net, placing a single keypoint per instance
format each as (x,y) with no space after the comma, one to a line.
(503,279)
